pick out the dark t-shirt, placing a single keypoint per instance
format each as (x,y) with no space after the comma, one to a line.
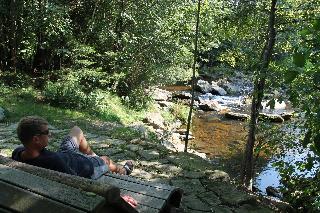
(67,162)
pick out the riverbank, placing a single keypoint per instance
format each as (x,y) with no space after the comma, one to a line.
(156,152)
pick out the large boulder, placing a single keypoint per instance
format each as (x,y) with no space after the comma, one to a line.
(182,95)
(271,117)
(286,115)
(206,87)
(203,86)
(218,175)
(217,90)
(155,120)
(2,114)
(210,105)
(161,95)
(237,116)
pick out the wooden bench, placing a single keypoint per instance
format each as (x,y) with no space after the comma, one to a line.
(151,197)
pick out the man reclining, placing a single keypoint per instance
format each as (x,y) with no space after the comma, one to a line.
(74,157)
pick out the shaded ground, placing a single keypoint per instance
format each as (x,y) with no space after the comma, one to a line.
(205,188)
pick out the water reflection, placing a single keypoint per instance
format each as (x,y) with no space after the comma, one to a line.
(217,136)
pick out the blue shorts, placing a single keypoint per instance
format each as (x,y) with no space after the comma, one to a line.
(68,144)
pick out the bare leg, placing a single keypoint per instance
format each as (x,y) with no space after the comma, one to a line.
(113,167)
(84,147)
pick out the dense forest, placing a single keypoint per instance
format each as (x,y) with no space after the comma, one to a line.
(78,53)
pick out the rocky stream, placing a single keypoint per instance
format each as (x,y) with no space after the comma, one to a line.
(199,172)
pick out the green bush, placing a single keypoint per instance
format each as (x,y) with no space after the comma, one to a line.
(14,79)
(66,94)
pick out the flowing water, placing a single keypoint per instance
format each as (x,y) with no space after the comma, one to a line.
(223,140)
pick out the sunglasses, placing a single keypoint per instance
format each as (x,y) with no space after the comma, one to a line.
(45,132)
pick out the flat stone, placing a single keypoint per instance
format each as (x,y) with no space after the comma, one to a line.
(210,198)
(189,186)
(130,154)
(222,209)
(247,208)
(155,120)
(110,151)
(192,174)
(218,187)
(271,117)
(149,163)
(133,147)
(91,136)
(115,142)
(149,154)
(189,161)
(236,198)
(99,145)
(119,156)
(139,173)
(168,168)
(194,203)
(218,175)
(237,116)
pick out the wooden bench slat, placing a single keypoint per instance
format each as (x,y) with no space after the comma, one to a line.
(60,192)
(136,187)
(17,199)
(151,184)
(142,199)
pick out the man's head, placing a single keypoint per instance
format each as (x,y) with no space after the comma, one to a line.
(33,129)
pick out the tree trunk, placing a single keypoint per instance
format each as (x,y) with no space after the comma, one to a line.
(119,27)
(3,21)
(39,59)
(193,76)
(259,84)
(12,35)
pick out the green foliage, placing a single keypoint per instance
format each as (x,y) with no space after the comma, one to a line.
(178,111)
(67,94)
(302,76)
(14,79)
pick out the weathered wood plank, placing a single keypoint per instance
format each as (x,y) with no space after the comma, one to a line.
(172,195)
(110,193)
(145,200)
(135,180)
(57,191)
(19,200)
(136,187)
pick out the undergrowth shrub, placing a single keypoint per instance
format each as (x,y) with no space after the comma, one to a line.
(14,79)
(66,94)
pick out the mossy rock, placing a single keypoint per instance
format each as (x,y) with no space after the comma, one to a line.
(189,162)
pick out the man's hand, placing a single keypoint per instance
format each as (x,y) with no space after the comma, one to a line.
(130,200)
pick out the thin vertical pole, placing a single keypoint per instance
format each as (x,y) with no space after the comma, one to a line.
(193,76)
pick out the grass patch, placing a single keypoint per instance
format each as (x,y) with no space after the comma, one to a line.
(20,102)
(176,111)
